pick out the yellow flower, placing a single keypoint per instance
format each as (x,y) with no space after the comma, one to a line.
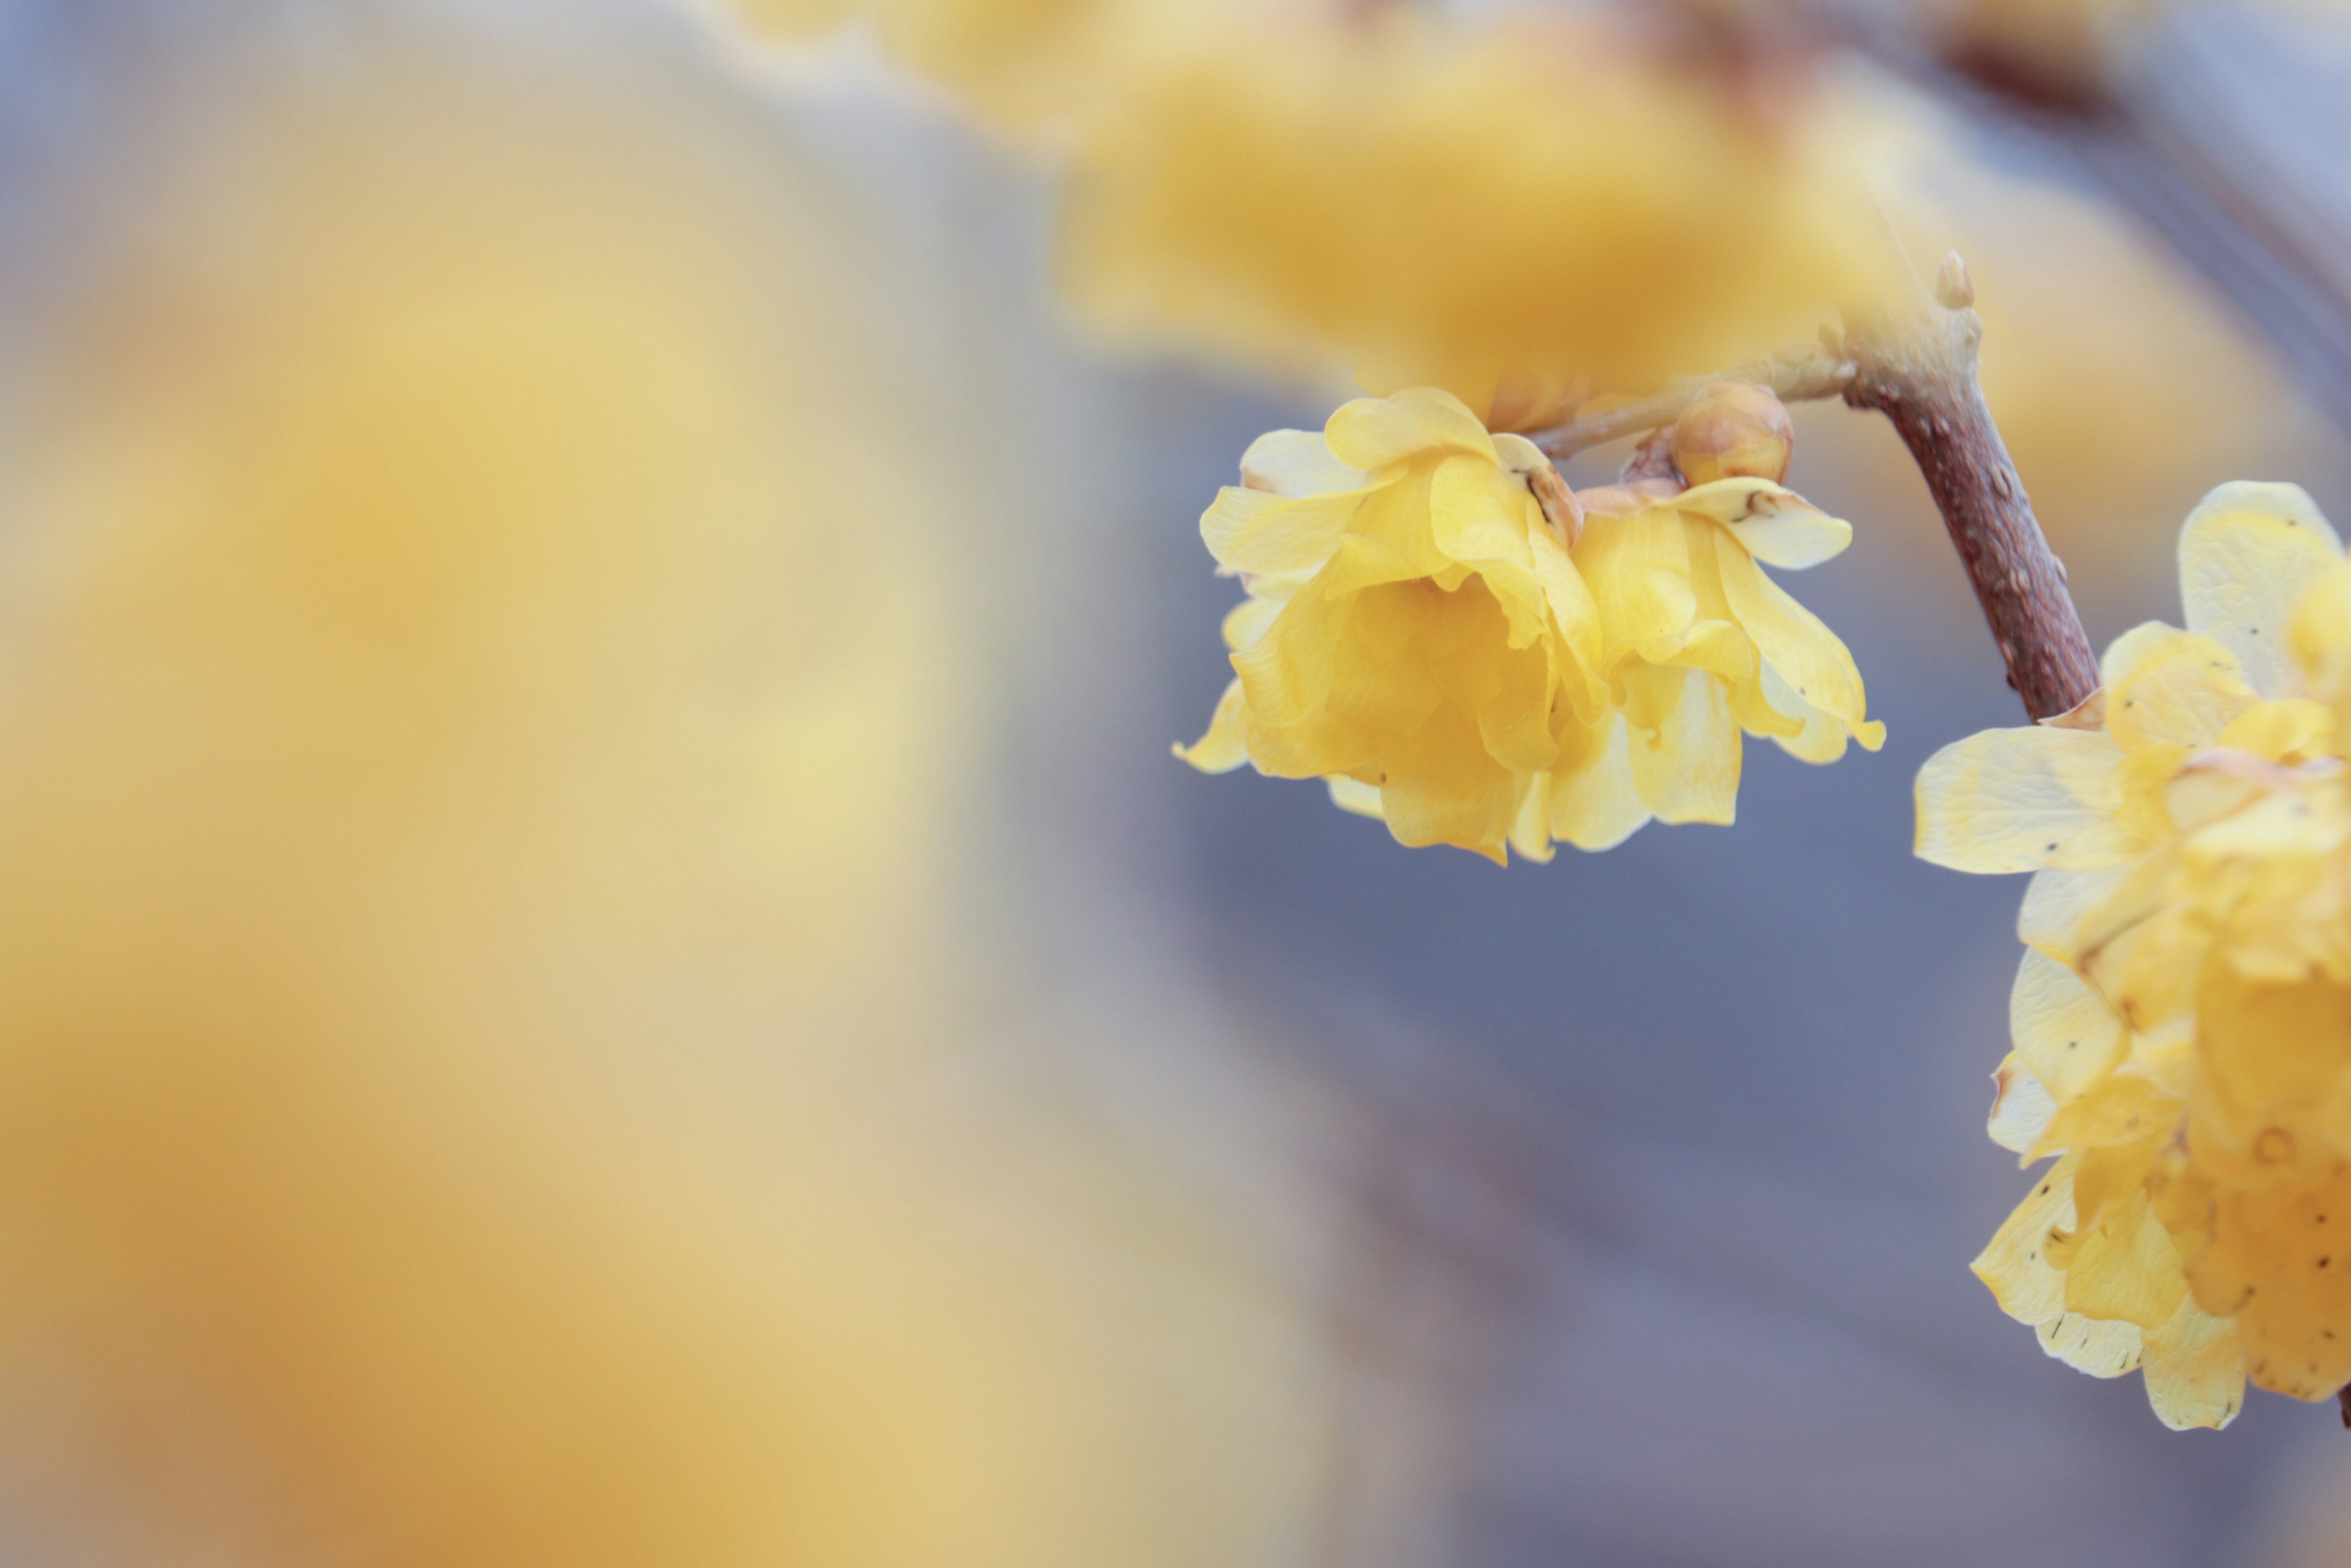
(1419,633)
(1423,201)
(1441,205)
(2182,1019)
(1700,644)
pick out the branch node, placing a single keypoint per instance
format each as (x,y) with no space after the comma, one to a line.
(1954,289)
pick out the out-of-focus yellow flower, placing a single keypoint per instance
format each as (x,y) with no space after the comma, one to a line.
(1447,206)
(1420,633)
(1427,202)
(472,646)
(2182,1019)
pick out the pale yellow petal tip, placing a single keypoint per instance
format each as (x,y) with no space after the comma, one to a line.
(1870,736)
(1206,756)
(1356,798)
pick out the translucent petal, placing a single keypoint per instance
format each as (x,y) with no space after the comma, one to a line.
(1289,672)
(1517,455)
(2246,556)
(2195,1369)
(2013,799)
(1792,639)
(1776,525)
(1221,749)
(2125,1108)
(2057,902)
(2127,1270)
(1370,434)
(2321,636)
(1576,619)
(2065,1032)
(2179,689)
(1441,787)
(1686,767)
(1253,531)
(2088,1344)
(1480,514)
(2293,729)
(2015,1264)
(1363,562)
(1717,647)
(1596,806)
(1355,797)
(1296,463)
(1514,723)
(1637,568)
(2020,1107)
(1246,622)
(1530,832)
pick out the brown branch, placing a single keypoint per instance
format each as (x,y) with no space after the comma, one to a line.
(1800,374)
(1916,361)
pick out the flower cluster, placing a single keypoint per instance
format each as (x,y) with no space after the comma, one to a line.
(1458,644)
(2183,1019)
(1413,199)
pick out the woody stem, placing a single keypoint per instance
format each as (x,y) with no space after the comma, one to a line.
(1914,360)
(1915,363)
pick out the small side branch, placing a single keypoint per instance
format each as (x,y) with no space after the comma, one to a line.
(1914,360)
(1915,364)
(1802,374)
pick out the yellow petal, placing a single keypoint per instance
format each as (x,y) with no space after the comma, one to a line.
(2246,556)
(1637,567)
(1815,737)
(1480,514)
(2088,1344)
(1252,531)
(2064,1032)
(1289,671)
(1355,797)
(2321,636)
(2014,800)
(1596,805)
(2125,1108)
(1221,749)
(1370,433)
(1792,639)
(2195,1369)
(2015,1264)
(1530,833)
(1576,619)
(2125,1270)
(2058,901)
(2174,689)
(1441,787)
(1684,745)
(1717,647)
(1776,525)
(1246,623)
(2294,729)
(1296,463)
(2021,1106)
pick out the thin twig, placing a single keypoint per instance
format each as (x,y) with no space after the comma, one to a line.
(1912,359)
(1800,374)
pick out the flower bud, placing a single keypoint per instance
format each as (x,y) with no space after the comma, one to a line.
(1734,430)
